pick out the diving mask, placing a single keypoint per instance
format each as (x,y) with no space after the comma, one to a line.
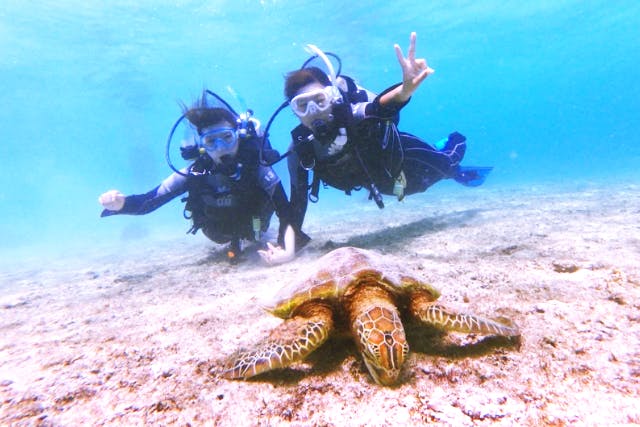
(222,140)
(313,102)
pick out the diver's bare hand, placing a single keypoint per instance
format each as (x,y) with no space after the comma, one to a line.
(112,200)
(414,71)
(275,254)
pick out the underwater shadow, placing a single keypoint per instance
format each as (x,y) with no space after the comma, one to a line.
(400,235)
(433,342)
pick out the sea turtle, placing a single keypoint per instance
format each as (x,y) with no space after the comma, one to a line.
(361,291)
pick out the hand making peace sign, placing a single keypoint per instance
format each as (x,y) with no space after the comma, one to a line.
(414,71)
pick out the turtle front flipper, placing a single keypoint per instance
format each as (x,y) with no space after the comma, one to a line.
(443,318)
(292,341)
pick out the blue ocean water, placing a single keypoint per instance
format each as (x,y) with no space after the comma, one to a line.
(545,91)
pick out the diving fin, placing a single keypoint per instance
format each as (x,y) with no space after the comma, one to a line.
(472,176)
(450,143)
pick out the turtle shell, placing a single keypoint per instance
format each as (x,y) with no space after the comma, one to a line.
(331,275)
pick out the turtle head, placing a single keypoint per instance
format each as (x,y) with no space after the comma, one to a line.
(382,343)
(385,369)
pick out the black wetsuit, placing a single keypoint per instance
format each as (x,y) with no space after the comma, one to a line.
(375,152)
(223,199)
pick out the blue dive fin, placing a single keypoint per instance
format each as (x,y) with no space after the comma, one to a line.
(472,176)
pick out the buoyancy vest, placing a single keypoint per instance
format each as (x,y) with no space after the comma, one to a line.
(371,158)
(228,197)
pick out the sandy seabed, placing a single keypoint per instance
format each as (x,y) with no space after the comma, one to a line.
(136,335)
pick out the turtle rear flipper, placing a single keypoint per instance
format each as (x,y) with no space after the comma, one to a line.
(448,320)
(290,342)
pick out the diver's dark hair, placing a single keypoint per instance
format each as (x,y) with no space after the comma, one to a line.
(202,115)
(297,79)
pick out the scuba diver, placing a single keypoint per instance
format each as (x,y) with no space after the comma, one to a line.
(348,137)
(231,196)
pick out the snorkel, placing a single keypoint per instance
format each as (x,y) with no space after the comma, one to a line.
(336,98)
(321,124)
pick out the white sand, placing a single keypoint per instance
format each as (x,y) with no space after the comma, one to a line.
(128,336)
